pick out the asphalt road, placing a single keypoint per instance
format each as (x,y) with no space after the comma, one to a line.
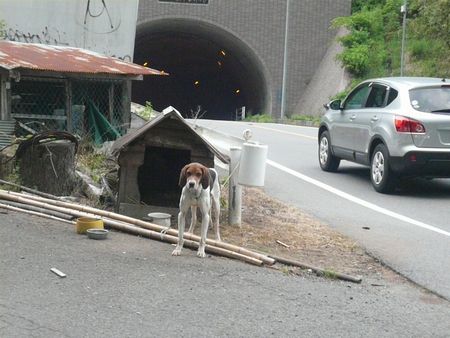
(127,286)
(408,230)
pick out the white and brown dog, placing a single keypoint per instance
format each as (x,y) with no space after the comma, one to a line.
(200,189)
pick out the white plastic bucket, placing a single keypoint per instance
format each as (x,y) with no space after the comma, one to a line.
(160,218)
(252,169)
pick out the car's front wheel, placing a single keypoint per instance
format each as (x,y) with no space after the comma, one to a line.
(327,161)
(382,177)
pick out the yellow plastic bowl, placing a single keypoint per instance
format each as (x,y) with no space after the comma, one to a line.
(84,223)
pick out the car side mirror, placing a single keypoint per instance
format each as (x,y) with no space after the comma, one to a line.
(335,105)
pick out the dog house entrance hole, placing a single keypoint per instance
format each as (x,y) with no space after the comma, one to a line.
(158,176)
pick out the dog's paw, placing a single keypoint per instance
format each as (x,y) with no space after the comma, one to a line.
(176,252)
(201,253)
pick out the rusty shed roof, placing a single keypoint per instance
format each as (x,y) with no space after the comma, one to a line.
(17,55)
(171,113)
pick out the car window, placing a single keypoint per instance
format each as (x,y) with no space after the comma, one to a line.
(357,98)
(376,96)
(431,99)
(392,96)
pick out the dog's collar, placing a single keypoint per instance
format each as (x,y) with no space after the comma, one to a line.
(199,194)
(195,194)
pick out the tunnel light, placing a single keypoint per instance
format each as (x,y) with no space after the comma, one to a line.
(219,63)
(197,82)
(145,64)
(237,91)
(223,52)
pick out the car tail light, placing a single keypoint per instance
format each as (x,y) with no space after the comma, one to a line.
(406,125)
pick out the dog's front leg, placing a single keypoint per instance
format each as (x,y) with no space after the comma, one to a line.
(193,218)
(181,225)
(216,210)
(204,231)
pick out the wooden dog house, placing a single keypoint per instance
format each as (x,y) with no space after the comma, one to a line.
(150,160)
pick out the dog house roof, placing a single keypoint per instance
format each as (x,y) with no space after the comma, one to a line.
(125,140)
(17,55)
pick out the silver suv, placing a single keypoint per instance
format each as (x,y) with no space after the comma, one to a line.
(400,127)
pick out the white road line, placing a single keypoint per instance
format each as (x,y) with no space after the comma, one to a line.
(357,200)
(287,132)
(294,126)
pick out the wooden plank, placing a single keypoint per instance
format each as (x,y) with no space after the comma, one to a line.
(110,102)
(39,117)
(5,98)
(68,93)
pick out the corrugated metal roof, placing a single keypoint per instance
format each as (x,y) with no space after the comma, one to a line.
(169,112)
(17,55)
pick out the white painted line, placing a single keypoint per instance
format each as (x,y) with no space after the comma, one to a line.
(293,125)
(287,132)
(357,200)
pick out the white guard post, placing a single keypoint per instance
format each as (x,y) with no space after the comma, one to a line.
(234,189)
(251,171)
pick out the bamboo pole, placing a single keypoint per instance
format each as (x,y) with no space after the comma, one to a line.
(146,225)
(317,270)
(38,209)
(157,235)
(35,213)
(122,226)
(188,243)
(43,194)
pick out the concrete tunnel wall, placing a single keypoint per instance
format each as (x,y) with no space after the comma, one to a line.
(273,50)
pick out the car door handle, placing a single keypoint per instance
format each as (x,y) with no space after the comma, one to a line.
(374,118)
(351,118)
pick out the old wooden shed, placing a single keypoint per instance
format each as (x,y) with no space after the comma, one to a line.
(65,88)
(150,160)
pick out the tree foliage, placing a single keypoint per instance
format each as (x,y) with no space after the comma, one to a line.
(431,18)
(2,29)
(358,5)
(372,46)
(364,39)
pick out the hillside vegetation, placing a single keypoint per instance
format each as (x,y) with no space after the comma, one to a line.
(373,46)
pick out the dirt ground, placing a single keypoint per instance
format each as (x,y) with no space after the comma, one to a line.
(266,222)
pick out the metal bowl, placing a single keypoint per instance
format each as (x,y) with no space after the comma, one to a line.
(97,233)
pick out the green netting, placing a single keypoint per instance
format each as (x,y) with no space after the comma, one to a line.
(100,128)
(88,107)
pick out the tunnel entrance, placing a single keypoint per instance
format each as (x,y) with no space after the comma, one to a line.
(212,72)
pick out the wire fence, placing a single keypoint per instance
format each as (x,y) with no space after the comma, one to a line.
(87,107)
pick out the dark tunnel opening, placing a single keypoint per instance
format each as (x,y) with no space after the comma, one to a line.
(209,69)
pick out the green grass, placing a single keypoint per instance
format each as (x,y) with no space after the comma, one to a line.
(294,119)
(260,118)
(93,163)
(330,274)
(307,119)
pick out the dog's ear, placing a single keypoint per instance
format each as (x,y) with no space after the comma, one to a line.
(205,177)
(182,180)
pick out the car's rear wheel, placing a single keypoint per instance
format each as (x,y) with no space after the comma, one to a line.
(327,161)
(382,177)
